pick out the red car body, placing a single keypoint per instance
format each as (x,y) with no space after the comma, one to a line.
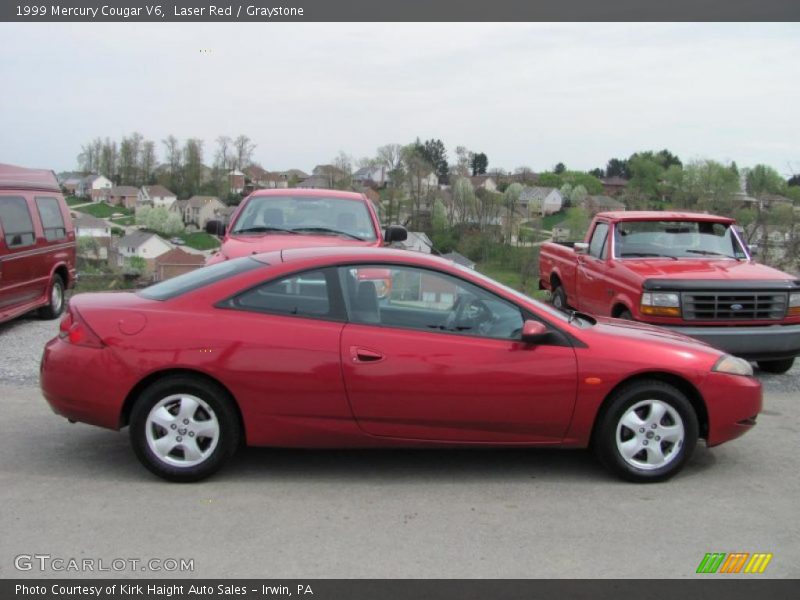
(733,303)
(317,382)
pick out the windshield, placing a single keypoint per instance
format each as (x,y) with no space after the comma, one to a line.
(676,239)
(305,215)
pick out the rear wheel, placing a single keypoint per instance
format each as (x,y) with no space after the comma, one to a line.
(625,314)
(776,366)
(184,428)
(55,304)
(559,298)
(647,433)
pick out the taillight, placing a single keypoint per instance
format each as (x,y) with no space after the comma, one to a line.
(73,329)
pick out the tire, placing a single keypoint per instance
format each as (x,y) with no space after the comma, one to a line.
(559,298)
(56,301)
(180,410)
(625,315)
(776,366)
(635,443)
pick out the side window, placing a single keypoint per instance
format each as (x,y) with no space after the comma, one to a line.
(16,221)
(427,301)
(52,219)
(302,295)
(597,245)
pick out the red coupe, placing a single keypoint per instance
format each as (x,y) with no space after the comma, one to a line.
(295,349)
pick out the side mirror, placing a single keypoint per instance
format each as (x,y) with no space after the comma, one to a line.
(533,332)
(395,233)
(215,227)
(581,248)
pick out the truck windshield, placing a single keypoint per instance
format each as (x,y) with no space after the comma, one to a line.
(305,215)
(676,239)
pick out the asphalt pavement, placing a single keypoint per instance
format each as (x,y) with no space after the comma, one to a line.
(76,491)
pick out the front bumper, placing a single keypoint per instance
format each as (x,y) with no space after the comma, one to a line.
(732,402)
(772,342)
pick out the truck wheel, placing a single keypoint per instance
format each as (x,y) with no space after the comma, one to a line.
(559,298)
(625,315)
(647,433)
(776,366)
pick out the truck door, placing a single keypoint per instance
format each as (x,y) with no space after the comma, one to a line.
(591,275)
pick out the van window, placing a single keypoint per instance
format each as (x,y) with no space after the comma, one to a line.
(16,222)
(52,219)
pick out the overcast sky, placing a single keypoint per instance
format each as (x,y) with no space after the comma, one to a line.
(525,94)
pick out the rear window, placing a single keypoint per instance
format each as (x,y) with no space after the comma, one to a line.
(198,278)
(16,221)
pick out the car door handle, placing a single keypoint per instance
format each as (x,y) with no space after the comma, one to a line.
(359,354)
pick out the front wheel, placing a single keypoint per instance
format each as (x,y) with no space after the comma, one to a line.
(559,298)
(776,366)
(183,428)
(647,433)
(55,304)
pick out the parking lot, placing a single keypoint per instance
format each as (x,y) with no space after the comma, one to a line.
(75,491)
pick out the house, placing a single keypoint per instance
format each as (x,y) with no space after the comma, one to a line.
(540,200)
(614,186)
(316,182)
(484,182)
(123,195)
(597,204)
(144,244)
(417,241)
(176,262)
(198,210)
(459,259)
(372,176)
(236,181)
(94,187)
(87,226)
(155,196)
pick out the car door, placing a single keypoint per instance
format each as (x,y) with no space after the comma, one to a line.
(20,273)
(592,277)
(441,359)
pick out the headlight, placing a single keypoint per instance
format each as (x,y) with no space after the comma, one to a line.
(661,304)
(794,304)
(733,366)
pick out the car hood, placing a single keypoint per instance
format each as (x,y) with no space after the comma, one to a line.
(644,332)
(236,246)
(698,268)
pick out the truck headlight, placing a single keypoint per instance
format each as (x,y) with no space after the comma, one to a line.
(661,304)
(794,304)
(733,366)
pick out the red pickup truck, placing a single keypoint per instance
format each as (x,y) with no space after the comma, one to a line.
(689,272)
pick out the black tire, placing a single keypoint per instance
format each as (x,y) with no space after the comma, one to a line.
(56,300)
(776,366)
(625,314)
(213,405)
(645,465)
(559,298)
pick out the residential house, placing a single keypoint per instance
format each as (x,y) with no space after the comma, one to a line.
(257,175)
(376,177)
(144,244)
(94,187)
(123,195)
(484,182)
(324,177)
(198,210)
(459,259)
(98,229)
(417,241)
(176,262)
(598,204)
(614,186)
(155,196)
(540,200)
(236,181)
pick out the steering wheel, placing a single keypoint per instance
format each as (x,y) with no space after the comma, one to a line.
(470,313)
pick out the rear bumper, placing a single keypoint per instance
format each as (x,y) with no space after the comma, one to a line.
(733,402)
(773,342)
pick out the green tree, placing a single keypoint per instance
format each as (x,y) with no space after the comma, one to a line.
(705,185)
(559,168)
(763,180)
(479,163)
(577,222)
(135,265)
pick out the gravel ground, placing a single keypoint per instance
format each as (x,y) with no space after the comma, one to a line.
(22,340)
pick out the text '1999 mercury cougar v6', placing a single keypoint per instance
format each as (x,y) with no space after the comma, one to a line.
(293,349)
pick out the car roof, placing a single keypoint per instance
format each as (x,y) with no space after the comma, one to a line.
(308,193)
(355,254)
(659,215)
(21,178)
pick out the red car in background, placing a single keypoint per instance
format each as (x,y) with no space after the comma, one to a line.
(294,349)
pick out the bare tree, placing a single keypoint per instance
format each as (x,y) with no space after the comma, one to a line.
(242,152)
(174,160)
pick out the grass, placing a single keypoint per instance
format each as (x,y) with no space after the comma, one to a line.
(130,220)
(101,210)
(512,279)
(200,240)
(72,200)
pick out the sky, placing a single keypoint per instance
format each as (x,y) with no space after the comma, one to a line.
(525,94)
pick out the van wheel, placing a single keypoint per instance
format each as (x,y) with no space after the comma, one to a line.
(55,305)
(184,428)
(559,298)
(647,433)
(776,366)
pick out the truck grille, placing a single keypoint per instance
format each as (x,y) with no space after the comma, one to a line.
(734,306)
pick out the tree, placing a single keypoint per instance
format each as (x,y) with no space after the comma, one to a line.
(463,164)
(793,181)
(762,180)
(390,157)
(464,201)
(192,166)
(174,160)
(479,163)
(525,175)
(135,265)
(618,168)
(344,164)
(88,247)
(173,225)
(599,173)
(242,151)
(559,168)
(704,185)
(511,200)
(108,157)
(577,222)
(147,162)
(436,154)
(417,171)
